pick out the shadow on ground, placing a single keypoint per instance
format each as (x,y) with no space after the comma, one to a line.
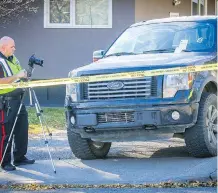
(60,149)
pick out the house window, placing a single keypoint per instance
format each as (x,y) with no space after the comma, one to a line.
(202,7)
(195,7)
(78,14)
(216,2)
(199,7)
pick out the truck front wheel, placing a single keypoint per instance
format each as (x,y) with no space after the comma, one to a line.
(201,139)
(87,149)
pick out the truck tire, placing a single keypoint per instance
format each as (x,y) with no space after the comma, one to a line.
(87,149)
(201,139)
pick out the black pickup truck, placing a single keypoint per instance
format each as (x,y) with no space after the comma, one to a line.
(149,108)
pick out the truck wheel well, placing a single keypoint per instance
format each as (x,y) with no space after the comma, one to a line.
(210,87)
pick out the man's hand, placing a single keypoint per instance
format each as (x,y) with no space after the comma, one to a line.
(22,74)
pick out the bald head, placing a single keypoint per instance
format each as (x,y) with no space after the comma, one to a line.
(7,46)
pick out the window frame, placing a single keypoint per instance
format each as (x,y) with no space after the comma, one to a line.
(192,5)
(72,23)
(199,6)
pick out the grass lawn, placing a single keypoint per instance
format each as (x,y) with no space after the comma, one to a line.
(54,117)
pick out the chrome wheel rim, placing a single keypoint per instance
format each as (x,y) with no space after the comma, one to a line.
(211,123)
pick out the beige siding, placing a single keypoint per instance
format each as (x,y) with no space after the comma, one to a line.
(211,7)
(153,9)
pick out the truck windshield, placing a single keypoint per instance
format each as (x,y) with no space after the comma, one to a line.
(165,38)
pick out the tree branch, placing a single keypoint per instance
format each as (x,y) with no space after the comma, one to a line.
(12,9)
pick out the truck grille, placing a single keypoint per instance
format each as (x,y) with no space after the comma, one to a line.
(132,88)
(114,117)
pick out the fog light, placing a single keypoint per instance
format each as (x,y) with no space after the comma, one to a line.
(72,120)
(175,115)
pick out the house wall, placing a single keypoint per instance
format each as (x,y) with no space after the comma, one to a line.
(154,9)
(211,10)
(65,49)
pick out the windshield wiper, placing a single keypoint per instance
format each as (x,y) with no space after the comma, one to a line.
(187,50)
(159,51)
(121,54)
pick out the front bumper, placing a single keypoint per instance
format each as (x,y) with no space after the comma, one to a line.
(112,120)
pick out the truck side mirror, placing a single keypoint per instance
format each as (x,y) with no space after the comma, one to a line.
(97,55)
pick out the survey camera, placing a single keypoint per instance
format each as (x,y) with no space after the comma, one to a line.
(33,60)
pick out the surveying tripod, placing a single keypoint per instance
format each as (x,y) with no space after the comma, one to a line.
(39,113)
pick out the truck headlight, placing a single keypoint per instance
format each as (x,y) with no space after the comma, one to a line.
(176,82)
(71,89)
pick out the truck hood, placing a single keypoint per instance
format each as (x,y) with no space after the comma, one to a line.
(115,64)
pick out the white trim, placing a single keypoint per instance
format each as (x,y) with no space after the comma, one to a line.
(74,12)
(72,23)
(199,7)
(110,13)
(205,7)
(6,67)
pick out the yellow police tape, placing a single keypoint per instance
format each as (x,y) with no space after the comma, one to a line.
(108,77)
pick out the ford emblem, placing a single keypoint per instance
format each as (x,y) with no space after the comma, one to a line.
(115,85)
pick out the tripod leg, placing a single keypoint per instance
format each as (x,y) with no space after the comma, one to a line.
(40,120)
(40,112)
(31,98)
(12,131)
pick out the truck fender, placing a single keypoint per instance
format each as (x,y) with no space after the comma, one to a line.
(201,80)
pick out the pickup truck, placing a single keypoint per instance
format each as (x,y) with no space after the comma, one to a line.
(153,107)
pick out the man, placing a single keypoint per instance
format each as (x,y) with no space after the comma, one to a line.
(10,99)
